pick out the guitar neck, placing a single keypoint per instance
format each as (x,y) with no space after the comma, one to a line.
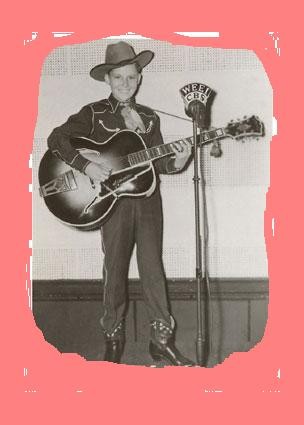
(160,151)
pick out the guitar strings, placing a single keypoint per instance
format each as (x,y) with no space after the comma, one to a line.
(139,156)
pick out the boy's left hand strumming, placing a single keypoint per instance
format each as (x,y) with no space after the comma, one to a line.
(182,151)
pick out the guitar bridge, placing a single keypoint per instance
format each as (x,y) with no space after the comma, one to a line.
(63,183)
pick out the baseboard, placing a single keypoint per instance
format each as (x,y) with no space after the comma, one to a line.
(178,289)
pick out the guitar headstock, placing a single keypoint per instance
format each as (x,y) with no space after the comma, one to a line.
(248,127)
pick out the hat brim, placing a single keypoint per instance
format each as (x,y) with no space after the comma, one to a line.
(143,59)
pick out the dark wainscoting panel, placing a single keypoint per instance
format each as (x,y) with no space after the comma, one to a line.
(68,312)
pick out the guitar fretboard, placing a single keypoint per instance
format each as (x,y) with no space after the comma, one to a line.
(167,149)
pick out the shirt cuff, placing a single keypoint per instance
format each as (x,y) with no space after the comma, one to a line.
(80,162)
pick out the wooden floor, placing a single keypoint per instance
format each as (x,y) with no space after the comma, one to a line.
(72,325)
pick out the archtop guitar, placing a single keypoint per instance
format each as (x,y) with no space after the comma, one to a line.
(78,201)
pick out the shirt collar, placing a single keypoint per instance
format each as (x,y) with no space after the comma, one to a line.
(115,103)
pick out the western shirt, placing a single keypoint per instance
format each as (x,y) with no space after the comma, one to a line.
(99,121)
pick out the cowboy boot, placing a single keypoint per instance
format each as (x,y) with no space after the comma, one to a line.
(162,346)
(115,342)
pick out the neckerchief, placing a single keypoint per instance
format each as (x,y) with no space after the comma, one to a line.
(131,117)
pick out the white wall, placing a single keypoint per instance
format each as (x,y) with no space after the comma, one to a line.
(237,182)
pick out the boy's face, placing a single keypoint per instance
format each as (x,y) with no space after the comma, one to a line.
(123,81)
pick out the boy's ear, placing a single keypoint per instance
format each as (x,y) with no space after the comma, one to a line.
(107,80)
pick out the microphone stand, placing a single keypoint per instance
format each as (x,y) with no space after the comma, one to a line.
(198,249)
(203,342)
(207,291)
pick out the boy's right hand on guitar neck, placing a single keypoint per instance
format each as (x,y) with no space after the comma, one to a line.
(97,172)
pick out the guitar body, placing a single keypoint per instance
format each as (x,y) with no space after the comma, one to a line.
(77,201)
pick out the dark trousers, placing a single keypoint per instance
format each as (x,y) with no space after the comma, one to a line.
(134,222)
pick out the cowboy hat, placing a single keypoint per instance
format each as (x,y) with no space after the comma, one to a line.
(118,55)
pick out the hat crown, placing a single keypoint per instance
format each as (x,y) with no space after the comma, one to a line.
(119,52)
(118,55)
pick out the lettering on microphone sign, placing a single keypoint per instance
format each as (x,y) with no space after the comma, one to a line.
(195,91)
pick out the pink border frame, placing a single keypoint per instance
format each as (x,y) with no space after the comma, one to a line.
(43,386)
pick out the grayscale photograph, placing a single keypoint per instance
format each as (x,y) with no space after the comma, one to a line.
(151,167)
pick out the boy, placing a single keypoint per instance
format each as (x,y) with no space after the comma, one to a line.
(135,220)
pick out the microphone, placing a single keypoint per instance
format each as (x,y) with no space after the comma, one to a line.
(195,97)
(197,111)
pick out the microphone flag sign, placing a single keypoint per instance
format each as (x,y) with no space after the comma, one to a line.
(195,92)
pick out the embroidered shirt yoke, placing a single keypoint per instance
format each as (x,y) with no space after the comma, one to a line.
(99,121)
